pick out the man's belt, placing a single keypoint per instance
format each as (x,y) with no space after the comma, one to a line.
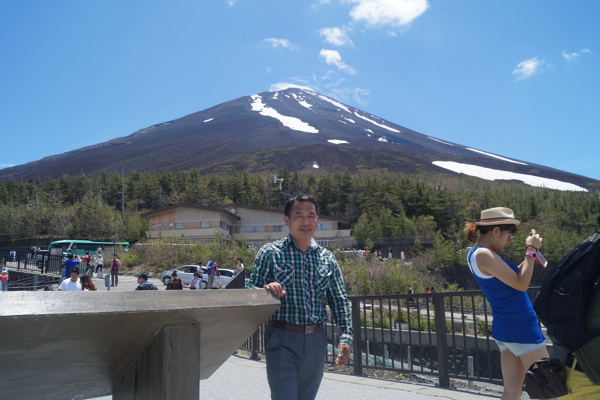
(570,361)
(306,329)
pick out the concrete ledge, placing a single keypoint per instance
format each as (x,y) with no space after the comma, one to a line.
(64,344)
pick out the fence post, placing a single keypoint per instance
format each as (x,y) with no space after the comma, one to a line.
(254,353)
(357,339)
(441,340)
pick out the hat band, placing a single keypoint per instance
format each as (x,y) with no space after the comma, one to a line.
(497,219)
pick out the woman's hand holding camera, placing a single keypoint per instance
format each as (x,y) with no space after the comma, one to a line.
(533,240)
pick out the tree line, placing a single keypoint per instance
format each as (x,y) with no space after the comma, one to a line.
(377,203)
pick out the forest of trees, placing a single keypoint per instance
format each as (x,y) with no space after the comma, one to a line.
(378,204)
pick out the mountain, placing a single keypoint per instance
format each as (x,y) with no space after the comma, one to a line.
(293,128)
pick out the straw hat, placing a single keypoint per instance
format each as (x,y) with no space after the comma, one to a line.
(497,216)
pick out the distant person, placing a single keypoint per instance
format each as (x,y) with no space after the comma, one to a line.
(100,266)
(411,300)
(402,256)
(87,263)
(4,280)
(70,262)
(390,255)
(86,284)
(211,271)
(515,325)
(240,266)
(175,283)
(196,283)
(115,266)
(306,278)
(72,283)
(143,283)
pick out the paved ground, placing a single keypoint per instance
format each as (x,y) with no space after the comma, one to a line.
(242,378)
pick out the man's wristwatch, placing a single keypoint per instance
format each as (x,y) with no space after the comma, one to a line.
(531,254)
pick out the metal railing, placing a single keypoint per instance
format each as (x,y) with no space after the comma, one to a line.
(34,262)
(445,335)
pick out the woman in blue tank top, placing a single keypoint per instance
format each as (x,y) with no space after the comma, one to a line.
(515,327)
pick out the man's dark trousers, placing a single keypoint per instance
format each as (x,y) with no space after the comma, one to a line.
(295,363)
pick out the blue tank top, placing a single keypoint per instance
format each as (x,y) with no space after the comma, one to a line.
(514,320)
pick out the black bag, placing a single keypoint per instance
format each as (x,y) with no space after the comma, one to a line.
(561,305)
(546,379)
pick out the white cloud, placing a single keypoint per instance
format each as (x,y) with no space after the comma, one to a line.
(526,69)
(2,166)
(575,55)
(286,85)
(570,56)
(387,12)
(284,43)
(333,57)
(357,95)
(230,3)
(336,36)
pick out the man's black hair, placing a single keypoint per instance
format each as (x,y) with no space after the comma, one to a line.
(74,269)
(301,197)
(143,276)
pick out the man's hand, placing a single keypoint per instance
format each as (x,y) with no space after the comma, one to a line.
(343,355)
(275,289)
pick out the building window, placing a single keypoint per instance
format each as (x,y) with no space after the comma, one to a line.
(325,242)
(325,227)
(204,224)
(253,229)
(280,228)
(179,225)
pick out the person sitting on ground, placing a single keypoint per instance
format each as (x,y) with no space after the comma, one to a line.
(143,283)
(73,283)
(86,284)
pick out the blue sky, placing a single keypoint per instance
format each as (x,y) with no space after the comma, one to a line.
(516,78)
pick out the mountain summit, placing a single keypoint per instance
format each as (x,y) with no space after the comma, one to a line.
(294,128)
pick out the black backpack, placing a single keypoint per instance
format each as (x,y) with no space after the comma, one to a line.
(561,304)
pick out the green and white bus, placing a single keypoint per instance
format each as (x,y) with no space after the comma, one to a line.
(79,247)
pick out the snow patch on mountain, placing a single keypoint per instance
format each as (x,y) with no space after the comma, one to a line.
(337,141)
(349,119)
(301,101)
(315,165)
(327,99)
(290,122)
(438,140)
(376,123)
(495,174)
(382,139)
(495,156)
(208,120)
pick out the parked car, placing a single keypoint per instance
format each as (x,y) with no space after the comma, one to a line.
(224,276)
(186,273)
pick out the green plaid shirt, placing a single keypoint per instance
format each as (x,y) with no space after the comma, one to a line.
(310,279)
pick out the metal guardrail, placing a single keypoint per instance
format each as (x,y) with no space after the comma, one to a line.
(37,262)
(445,335)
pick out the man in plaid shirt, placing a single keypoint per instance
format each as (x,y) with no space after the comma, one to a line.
(305,277)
